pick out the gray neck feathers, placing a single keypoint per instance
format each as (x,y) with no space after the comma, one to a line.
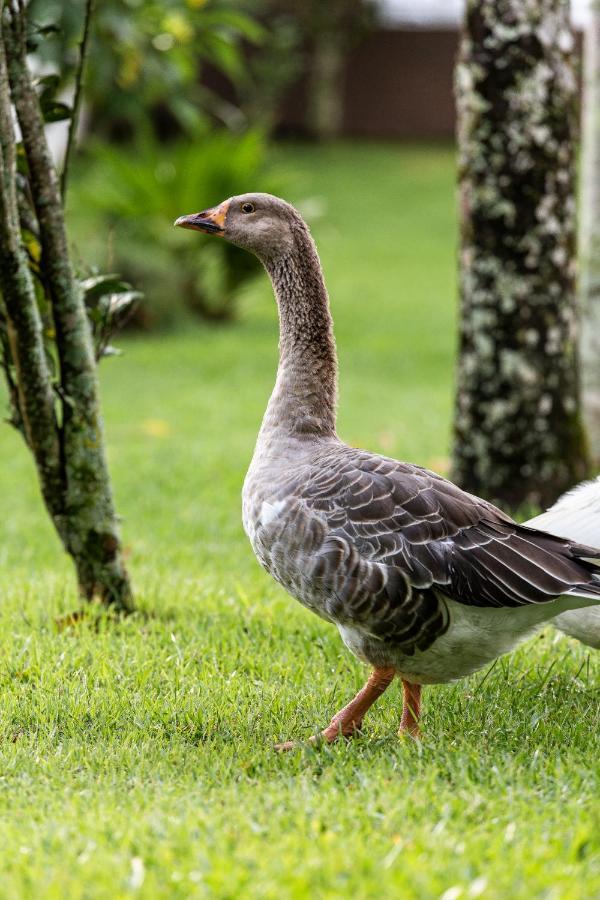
(305,395)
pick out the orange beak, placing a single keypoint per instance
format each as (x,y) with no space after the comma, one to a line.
(211,221)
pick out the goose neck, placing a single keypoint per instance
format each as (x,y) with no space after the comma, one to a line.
(305,395)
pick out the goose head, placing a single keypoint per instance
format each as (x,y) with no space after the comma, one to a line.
(261,223)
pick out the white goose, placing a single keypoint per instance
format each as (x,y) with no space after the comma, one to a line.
(423,580)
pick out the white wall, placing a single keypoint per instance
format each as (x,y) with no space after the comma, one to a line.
(449,12)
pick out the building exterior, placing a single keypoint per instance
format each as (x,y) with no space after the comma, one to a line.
(398,81)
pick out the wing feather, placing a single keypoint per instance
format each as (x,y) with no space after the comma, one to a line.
(388,542)
(442,538)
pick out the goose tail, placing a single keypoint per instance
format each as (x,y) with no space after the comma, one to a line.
(576,516)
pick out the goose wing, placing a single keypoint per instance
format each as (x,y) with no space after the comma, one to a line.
(441,538)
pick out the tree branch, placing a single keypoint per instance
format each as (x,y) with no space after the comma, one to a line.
(6,355)
(91,528)
(83,53)
(33,395)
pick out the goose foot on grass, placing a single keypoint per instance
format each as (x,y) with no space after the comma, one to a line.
(348,721)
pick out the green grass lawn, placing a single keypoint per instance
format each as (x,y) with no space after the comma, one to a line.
(136,758)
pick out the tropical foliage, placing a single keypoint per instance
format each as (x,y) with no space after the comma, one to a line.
(147,59)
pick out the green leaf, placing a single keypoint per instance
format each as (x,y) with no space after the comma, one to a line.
(98,285)
(49,85)
(121,303)
(53,111)
(240,22)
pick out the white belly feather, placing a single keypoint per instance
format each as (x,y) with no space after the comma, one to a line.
(475,637)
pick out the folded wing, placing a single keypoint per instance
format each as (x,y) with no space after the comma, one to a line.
(442,542)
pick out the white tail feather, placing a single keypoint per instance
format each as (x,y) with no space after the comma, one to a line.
(576,516)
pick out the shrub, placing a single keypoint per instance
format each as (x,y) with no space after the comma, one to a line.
(148,58)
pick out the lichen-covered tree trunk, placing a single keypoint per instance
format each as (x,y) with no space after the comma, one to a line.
(68,448)
(590,233)
(518,429)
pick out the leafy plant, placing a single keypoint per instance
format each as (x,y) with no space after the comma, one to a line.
(152,52)
(140,192)
(46,354)
(109,300)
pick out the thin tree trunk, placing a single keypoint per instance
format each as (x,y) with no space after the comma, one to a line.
(70,455)
(590,234)
(34,397)
(518,431)
(326,101)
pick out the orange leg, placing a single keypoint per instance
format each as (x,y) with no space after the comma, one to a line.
(411,710)
(349,720)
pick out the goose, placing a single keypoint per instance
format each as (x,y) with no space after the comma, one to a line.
(576,516)
(423,580)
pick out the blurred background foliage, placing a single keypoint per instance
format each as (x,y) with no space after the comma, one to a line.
(144,73)
(180,105)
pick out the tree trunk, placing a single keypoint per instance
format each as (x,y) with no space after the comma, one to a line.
(69,448)
(518,434)
(326,94)
(590,234)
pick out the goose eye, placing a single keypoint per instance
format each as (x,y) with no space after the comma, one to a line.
(247,207)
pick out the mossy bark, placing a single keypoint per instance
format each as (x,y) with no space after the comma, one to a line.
(33,398)
(590,234)
(518,434)
(69,448)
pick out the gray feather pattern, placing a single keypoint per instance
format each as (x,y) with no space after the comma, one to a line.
(373,543)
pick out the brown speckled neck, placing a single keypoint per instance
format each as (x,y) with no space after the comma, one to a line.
(304,399)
